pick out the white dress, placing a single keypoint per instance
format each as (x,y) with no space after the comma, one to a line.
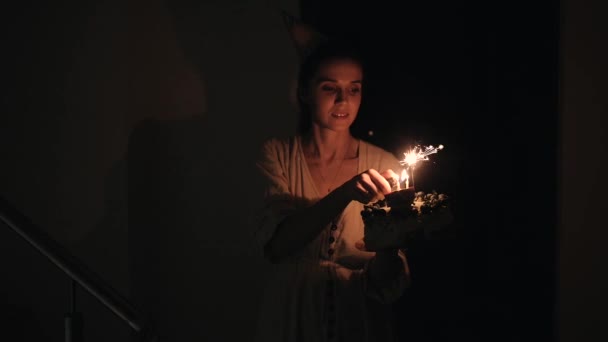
(321,293)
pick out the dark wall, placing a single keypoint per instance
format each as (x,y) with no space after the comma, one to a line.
(583,279)
(128,133)
(482,79)
(60,141)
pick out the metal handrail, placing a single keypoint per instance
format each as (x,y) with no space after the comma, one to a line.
(74,268)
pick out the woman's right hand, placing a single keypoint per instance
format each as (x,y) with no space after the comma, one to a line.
(368,186)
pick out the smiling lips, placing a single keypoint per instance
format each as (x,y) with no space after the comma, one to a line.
(339,115)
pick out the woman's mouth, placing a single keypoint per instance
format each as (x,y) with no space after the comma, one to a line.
(339,115)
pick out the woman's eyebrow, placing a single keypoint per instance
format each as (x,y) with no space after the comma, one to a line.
(325,79)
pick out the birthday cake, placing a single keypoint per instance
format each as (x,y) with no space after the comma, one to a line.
(402,216)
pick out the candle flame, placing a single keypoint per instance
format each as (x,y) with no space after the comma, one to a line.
(404,175)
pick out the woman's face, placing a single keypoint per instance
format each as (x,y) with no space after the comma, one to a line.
(334,94)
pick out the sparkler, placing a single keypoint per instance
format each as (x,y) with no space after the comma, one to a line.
(410,158)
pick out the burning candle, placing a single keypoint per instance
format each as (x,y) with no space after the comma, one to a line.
(406,177)
(394,183)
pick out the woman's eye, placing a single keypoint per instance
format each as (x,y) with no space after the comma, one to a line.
(355,90)
(328,88)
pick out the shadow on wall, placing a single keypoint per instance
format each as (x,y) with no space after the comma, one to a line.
(191,192)
(83,78)
(194,266)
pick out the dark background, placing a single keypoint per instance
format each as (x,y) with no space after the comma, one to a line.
(482,79)
(120,118)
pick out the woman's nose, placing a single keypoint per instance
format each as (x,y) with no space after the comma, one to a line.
(341,96)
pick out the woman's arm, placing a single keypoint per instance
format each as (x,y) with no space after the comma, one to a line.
(301,227)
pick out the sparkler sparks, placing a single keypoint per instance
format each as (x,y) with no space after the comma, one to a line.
(419,153)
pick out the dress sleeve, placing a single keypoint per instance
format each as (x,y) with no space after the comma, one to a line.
(277,202)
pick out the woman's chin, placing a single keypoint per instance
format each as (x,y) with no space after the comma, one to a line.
(337,127)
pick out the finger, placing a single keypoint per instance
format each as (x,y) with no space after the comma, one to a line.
(362,194)
(388,173)
(368,184)
(392,178)
(360,245)
(362,190)
(380,182)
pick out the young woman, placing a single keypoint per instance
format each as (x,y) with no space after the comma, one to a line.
(326,286)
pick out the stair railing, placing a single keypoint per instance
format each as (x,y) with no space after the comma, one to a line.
(79,274)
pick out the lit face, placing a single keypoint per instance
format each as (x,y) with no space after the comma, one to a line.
(334,95)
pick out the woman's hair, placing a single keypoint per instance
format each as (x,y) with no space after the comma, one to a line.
(328,50)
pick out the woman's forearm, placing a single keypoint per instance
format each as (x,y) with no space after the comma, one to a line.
(300,228)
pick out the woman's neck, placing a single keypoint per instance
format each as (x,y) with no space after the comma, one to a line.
(327,145)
